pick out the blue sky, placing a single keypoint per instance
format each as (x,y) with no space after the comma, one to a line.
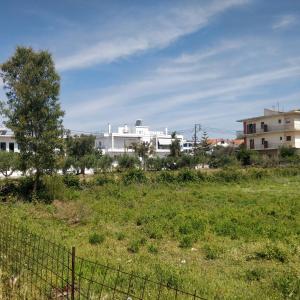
(170,63)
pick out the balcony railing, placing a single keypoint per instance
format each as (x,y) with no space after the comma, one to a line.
(267,145)
(269,128)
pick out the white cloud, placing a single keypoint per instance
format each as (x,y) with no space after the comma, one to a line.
(195,86)
(145,32)
(284,22)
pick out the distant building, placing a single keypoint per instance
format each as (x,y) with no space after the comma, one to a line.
(120,142)
(7,141)
(225,142)
(271,131)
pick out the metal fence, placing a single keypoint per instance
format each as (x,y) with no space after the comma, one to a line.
(32,267)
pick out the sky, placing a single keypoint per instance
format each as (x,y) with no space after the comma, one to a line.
(170,63)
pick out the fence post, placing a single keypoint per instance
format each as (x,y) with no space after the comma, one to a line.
(73,275)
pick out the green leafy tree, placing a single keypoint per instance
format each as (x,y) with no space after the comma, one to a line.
(32,109)
(143,150)
(104,163)
(175,147)
(9,163)
(127,162)
(81,153)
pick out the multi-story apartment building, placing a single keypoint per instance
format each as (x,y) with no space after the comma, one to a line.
(272,130)
(120,142)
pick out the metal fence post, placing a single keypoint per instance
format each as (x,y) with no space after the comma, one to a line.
(73,275)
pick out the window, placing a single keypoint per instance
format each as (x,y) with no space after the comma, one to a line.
(11,147)
(3,146)
(251,143)
(279,121)
(280,138)
(288,138)
(262,125)
(262,141)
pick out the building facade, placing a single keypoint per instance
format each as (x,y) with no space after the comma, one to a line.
(7,141)
(271,131)
(121,141)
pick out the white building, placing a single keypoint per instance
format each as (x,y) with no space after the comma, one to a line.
(120,142)
(7,141)
(272,130)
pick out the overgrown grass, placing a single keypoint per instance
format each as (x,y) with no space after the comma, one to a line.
(231,234)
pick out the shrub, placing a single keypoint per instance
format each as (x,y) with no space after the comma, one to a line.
(120,236)
(128,162)
(154,163)
(288,285)
(186,175)
(186,242)
(212,251)
(166,177)
(95,239)
(8,188)
(54,187)
(134,246)
(71,180)
(272,252)
(254,274)
(102,180)
(153,249)
(134,176)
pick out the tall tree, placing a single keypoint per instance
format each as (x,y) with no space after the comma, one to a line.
(81,152)
(175,147)
(32,109)
(204,144)
(143,150)
(8,163)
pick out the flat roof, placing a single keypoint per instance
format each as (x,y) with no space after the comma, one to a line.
(293,112)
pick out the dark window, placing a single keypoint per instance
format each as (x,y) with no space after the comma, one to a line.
(11,147)
(3,146)
(281,138)
(288,138)
(266,144)
(279,121)
(262,141)
(251,143)
(262,125)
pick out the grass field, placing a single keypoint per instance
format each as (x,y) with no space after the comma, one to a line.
(227,240)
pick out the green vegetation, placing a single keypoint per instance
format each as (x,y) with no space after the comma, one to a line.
(230,234)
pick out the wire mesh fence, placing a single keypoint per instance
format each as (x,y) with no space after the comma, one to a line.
(33,267)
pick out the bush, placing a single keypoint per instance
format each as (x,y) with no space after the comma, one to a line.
(134,246)
(126,162)
(166,177)
(186,175)
(154,164)
(134,176)
(102,180)
(272,252)
(254,274)
(54,187)
(186,242)
(95,239)
(153,249)
(288,285)
(8,188)
(120,236)
(71,180)
(212,252)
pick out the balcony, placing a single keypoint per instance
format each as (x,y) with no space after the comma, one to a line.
(269,146)
(268,128)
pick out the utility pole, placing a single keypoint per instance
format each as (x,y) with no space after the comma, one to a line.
(196,127)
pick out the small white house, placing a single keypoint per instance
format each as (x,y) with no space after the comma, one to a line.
(120,142)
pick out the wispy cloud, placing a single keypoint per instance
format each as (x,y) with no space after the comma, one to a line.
(144,33)
(285,21)
(194,86)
